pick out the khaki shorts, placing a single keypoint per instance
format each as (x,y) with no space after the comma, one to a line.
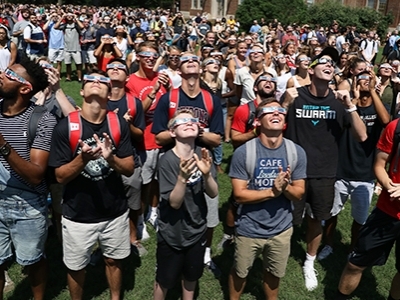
(79,240)
(72,55)
(275,253)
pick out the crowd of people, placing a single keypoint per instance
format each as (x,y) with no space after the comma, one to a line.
(310,113)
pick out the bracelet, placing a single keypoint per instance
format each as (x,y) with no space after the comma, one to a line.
(151,98)
(255,131)
(351,109)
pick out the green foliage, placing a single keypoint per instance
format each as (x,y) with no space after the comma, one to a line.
(323,14)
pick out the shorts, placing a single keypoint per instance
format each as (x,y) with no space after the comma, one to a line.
(376,239)
(72,55)
(317,201)
(79,240)
(56,192)
(193,37)
(28,235)
(149,166)
(133,188)
(56,55)
(212,211)
(275,251)
(361,193)
(88,57)
(173,263)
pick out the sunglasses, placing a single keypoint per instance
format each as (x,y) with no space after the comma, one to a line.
(362,77)
(216,53)
(256,51)
(93,78)
(267,78)
(116,66)
(46,66)
(173,57)
(10,74)
(212,61)
(271,110)
(184,59)
(182,121)
(279,57)
(304,59)
(148,54)
(322,61)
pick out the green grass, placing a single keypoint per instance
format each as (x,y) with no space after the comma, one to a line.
(139,273)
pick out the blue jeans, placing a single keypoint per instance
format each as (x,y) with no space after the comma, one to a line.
(218,150)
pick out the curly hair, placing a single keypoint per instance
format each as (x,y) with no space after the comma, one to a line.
(37,76)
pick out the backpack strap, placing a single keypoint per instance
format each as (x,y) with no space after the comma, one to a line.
(173,102)
(114,126)
(291,153)
(395,153)
(74,130)
(208,102)
(251,157)
(33,122)
(252,115)
(131,103)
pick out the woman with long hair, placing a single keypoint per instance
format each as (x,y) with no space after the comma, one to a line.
(8,49)
(121,40)
(301,78)
(284,74)
(106,51)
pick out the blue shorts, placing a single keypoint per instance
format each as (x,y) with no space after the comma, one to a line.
(23,224)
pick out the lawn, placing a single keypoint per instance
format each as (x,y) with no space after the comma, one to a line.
(139,273)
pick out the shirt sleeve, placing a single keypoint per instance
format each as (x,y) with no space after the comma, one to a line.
(27,32)
(237,169)
(240,118)
(46,124)
(161,115)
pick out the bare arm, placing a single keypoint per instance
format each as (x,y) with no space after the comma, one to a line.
(164,138)
(210,139)
(381,160)
(231,85)
(13,52)
(381,110)
(238,138)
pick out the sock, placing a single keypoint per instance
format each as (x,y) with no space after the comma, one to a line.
(207,255)
(153,211)
(309,263)
(340,296)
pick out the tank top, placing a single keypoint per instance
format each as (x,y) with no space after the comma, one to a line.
(5,56)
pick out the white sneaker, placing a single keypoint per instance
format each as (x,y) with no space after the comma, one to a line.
(153,220)
(310,276)
(325,252)
(145,235)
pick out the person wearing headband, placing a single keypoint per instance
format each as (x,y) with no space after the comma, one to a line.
(94,202)
(186,175)
(316,120)
(266,180)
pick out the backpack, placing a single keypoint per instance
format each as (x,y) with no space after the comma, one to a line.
(252,115)
(174,101)
(251,155)
(75,128)
(131,103)
(366,44)
(33,122)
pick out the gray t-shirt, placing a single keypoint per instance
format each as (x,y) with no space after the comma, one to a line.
(71,37)
(88,34)
(20,25)
(54,107)
(181,227)
(268,218)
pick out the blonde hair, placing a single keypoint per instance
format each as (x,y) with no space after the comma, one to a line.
(177,113)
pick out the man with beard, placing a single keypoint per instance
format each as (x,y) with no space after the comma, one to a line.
(23,163)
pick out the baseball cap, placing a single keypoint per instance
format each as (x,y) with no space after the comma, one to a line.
(328,51)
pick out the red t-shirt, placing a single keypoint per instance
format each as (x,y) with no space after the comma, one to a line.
(102,62)
(241,117)
(385,144)
(140,87)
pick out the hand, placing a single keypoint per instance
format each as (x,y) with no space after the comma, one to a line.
(89,153)
(105,146)
(291,94)
(281,181)
(372,80)
(187,167)
(344,97)
(163,79)
(128,117)
(205,163)
(53,77)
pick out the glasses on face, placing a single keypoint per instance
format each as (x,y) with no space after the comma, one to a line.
(173,57)
(322,61)
(267,78)
(279,57)
(253,51)
(304,59)
(93,78)
(362,77)
(148,54)
(215,53)
(10,74)
(212,61)
(194,58)
(185,121)
(116,66)
(271,110)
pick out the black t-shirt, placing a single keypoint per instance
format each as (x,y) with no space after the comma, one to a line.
(138,120)
(355,158)
(97,193)
(316,124)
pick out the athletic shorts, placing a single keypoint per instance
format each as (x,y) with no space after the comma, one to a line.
(149,167)
(56,55)
(212,211)
(317,202)
(72,55)
(79,240)
(275,252)
(376,240)
(360,192)
(133,188)
(88,57)
(173,263)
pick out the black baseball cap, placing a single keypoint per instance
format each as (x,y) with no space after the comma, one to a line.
(329,51)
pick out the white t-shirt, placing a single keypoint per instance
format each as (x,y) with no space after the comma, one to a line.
(244,78)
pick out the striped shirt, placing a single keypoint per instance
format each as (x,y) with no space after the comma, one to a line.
(15,131)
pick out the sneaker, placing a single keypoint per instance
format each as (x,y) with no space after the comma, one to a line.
(310,276)
(153,220)
(213,268)
(142,233)
(9,284)
(325,252)
(226,241)
(138,249)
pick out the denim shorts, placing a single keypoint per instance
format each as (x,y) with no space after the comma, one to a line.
(23,225)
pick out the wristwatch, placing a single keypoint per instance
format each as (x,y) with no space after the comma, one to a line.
(5,149)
